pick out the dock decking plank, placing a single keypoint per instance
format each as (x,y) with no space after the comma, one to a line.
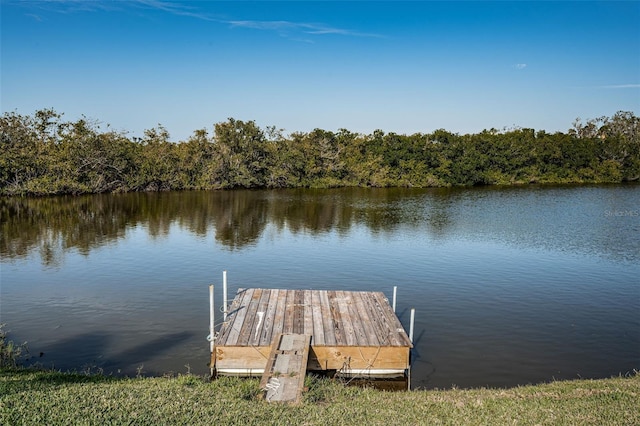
(366,321)
(358,325)
(318,327)
(278,321)
(328,329)
(391,322)
(287,326)
(308,312)
(347,320)
(225,328)
(261,311)
(236,319)
(388,328)
(250,319)
(377,320)
(337,322)
(298,312)
(266,336)
(395,323)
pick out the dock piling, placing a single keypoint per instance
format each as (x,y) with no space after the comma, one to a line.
(413,317)
(395,293)
(224,295)
(211,336)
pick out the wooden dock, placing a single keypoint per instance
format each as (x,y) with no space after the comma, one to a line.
(352,333)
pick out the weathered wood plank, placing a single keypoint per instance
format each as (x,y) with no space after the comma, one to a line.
(223,333)
(308,312)
(284,374)
(364,320)
(397,336)
(241,357)
(324,357)
(385,328)
(376,320)
(259,323)
(328,328)
(237,319)
(288,312)
(278,321)
(266,335)
(341,339)
(347,321)
(226,327)
(298,312)
(250,318)
(358,325)
(369,357)
(316,312)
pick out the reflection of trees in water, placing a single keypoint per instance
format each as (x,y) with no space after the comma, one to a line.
(54,225)
(422,210)
(379,209)
(313,211)
(240,217)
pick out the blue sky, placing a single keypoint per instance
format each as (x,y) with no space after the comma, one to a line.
(401,67)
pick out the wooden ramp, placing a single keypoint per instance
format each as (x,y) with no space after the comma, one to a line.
(354,333)
(283,377)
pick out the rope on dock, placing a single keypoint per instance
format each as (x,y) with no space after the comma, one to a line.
(210,338)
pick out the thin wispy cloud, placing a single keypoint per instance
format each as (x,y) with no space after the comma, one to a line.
(65,6)
(177,9)
(284,27)
(520,66)
(620,86)
(290,29)
(34,16)
(71,6)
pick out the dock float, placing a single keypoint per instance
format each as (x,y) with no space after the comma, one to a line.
(352,333)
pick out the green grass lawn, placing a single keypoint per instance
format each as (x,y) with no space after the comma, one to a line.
(34,397)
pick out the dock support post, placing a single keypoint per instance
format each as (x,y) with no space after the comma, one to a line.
(211,324)
(395,292)
(224,295)
(413,317)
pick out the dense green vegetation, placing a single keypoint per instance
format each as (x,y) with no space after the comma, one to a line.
(46,397)
(43,154)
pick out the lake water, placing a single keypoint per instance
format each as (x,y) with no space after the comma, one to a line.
(511,285)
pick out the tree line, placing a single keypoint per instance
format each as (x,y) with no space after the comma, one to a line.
(42,154)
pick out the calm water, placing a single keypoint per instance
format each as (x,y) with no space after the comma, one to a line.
(511,285)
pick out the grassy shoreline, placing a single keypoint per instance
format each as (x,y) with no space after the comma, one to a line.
(29,396)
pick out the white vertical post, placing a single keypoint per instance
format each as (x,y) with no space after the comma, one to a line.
(224,295)
(413,317)
(211,319)
(395,292)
